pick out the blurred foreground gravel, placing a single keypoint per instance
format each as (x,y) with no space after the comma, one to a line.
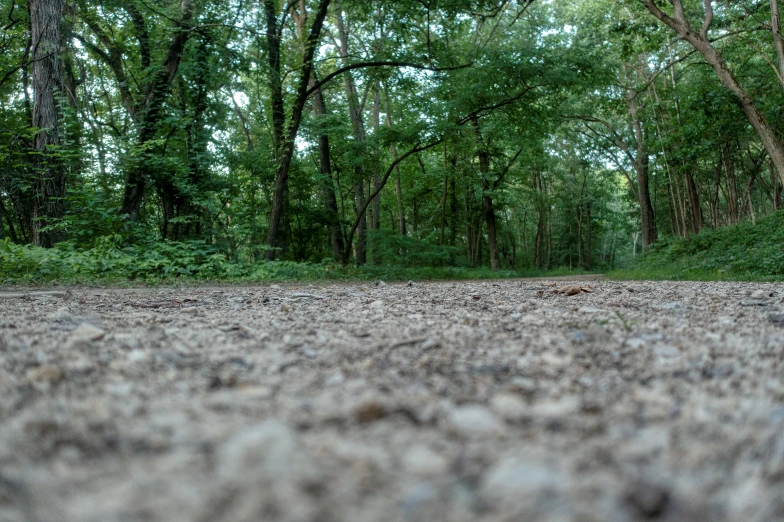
(497,401)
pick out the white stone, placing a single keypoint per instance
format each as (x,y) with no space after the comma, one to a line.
(86,332)
(267,447)
(474,421)
(508,406)
(421,460)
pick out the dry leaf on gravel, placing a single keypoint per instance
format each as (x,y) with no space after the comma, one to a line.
(574,290)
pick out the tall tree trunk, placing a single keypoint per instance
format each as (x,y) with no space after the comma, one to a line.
(641,167)
(376,221)
(443,197)
(775,24)
(695,213)
(49,184)
(540,222)
(588,239)
(487,200)
(398,185)
(275,77)
(453,203)
(699,40)
(358,125)
(288,147)
(327,183)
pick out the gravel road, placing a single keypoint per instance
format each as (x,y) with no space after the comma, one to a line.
(466,401)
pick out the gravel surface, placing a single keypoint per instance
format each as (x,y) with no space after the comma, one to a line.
(498,401)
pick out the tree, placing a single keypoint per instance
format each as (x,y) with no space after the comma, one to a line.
(49,94)
(700,41)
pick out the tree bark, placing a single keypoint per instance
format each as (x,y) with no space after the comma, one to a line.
(375,223)
(275,78)
(487,200)
(641,167)
(777,187)
(398,186)
(775,24)
(732,189)
(358,125)
(49,184)
(327,183)
(442,229)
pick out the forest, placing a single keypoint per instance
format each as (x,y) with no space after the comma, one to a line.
(144,137)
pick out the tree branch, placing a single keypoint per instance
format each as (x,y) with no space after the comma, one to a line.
(369,200)
(708,18)
(363,65)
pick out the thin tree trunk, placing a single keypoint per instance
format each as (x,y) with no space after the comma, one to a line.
(443,197)
(398,186)
(775,24)
(327,183)
(453,204)
(487,201)
(588,241)
(777,187)
(359,132)
(732,189)
(641,167)
(376,221)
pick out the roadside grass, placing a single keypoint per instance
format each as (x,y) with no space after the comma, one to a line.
(195,262)
(742,252)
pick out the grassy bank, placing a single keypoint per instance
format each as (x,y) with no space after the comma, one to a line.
(742,252)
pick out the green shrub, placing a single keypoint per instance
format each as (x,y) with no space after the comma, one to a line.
(739,252)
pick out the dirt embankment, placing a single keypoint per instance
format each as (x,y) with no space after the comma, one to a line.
(426,402)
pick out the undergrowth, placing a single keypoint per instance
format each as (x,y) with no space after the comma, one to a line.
(742,252)
(110,262)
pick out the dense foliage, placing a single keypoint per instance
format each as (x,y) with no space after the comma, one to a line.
(206,138)
(742,252)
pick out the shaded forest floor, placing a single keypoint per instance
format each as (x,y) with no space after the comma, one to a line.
(496,400)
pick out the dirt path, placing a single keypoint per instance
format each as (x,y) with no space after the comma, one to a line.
(432,402)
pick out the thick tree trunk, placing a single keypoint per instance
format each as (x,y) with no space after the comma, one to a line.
(275,78)
(288,147)
(48,90)
(695,210)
